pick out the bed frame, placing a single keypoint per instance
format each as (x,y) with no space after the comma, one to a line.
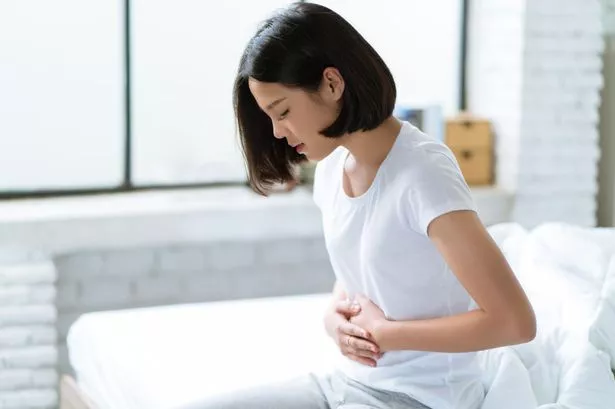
(71,396)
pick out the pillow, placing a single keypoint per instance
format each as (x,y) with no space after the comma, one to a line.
(569,275)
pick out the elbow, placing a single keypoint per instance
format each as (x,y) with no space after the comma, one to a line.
(515,327)
(522,328)
(526,333)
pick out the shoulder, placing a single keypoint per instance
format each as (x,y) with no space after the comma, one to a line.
(430,178)
(421,157)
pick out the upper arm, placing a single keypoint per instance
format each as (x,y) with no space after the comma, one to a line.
(481,268)
(442,208)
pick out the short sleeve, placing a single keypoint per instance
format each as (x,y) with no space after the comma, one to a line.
(437,187)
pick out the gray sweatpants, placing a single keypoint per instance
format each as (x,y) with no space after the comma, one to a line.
(312,392)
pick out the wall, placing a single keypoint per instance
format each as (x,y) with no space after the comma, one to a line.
(28,351)
(535,70)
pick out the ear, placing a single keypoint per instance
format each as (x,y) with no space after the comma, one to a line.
(332,86)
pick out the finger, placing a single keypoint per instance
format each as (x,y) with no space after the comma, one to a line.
(348,328)
(367,346)
(347,308)
(362,352)
(362,360)
(361,347)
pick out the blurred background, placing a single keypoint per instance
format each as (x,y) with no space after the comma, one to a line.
(122,184)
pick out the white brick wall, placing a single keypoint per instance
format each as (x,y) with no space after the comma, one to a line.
(15,379)
(535,70)
(29,399)
(151,289)
(31,273)
(608,7)
(133,263)
(23,335)
(25,295)
(181,259)
(28,357)
(105,292)
(28,335)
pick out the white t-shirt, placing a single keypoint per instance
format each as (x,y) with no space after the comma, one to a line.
(378,246)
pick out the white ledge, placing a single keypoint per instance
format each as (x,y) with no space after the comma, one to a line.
(61,225)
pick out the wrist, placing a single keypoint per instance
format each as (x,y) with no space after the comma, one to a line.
(381,332)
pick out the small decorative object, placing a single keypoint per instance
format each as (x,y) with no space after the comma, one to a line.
(428,118)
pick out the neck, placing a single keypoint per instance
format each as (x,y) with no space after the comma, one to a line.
(371,147)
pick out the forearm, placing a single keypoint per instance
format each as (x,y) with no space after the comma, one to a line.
(467,332)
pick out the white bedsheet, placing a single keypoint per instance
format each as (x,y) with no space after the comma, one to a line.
(168,356)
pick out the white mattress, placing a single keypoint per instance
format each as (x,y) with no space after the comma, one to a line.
(165,357)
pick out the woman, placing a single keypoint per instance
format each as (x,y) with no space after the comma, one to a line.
(400,225)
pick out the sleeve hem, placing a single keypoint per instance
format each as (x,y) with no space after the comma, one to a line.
(436,212)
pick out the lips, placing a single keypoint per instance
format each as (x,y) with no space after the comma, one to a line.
(299,147)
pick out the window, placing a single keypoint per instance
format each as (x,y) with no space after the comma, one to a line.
(185,57)
(64,119)
(61,94)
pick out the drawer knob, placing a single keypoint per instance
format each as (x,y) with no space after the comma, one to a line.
(466,154)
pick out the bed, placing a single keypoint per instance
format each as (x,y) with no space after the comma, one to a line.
(158,358)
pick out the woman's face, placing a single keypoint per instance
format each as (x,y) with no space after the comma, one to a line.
(298,115)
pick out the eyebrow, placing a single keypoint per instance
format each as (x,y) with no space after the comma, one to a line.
(274,103)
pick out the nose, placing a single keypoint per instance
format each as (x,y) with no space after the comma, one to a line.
(278,131)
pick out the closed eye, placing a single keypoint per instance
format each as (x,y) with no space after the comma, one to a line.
(284,114)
